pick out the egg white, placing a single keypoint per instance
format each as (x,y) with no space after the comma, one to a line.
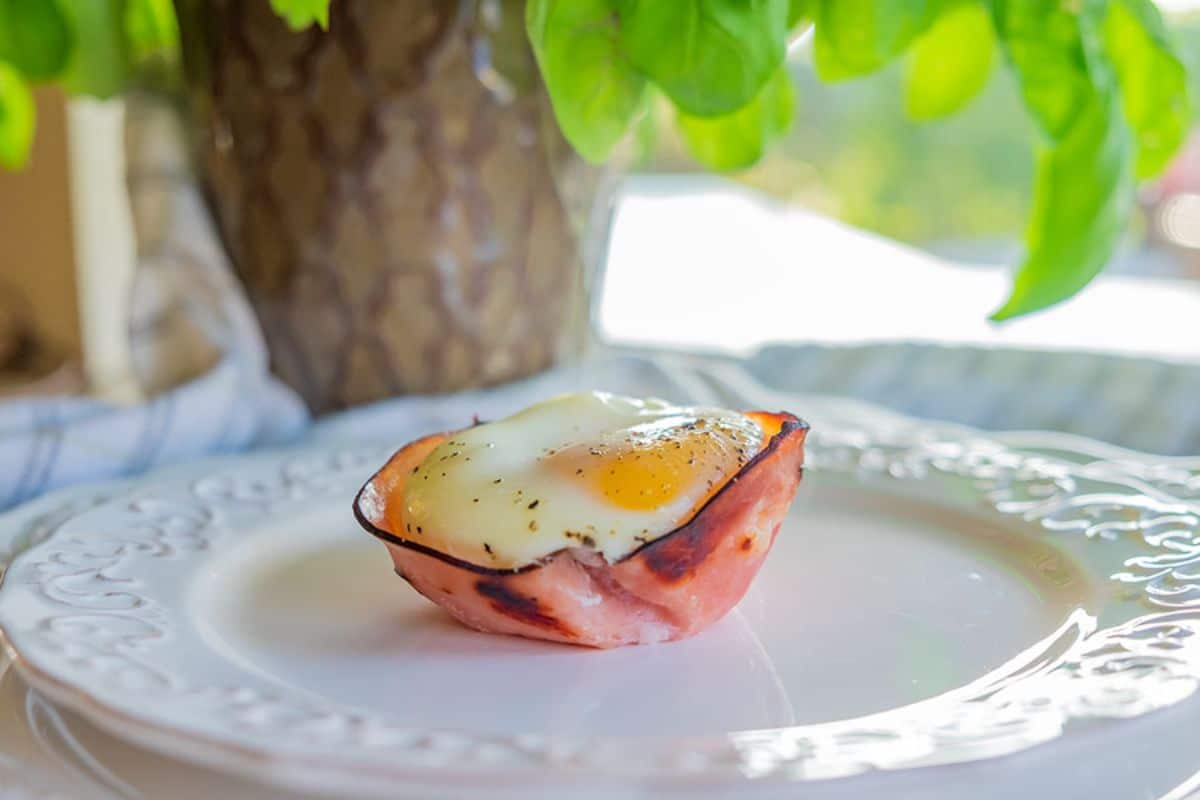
(497,495)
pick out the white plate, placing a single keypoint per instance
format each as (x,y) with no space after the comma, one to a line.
(934,597)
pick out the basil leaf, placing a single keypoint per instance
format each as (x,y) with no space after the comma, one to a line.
(1153,81)
(857,37)
(17,112)
(645,131)
(299,14)
(1083,196)
(1043,42)
(801,11)
(97,65)
(34,37)
(537,18)
(710,57)
(595,91)
(150,29)
(1083,191)
(950,63)
(738,140)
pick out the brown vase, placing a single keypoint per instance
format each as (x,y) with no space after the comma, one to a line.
(393,192)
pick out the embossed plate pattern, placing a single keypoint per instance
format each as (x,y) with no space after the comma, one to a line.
(166,617)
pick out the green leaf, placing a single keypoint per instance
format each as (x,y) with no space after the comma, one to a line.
(857,37)
(738,140)
(710,57)
(1083,193)
(1153,80)
(97,65)
(801,11)
(645,130)
(1083,196)
(17,112)
(950,63)
(537,19)
(150,29)
(1044,43)
(595,91)
(299,14)
(34,37)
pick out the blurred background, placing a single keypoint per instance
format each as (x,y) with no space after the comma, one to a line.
(956,189)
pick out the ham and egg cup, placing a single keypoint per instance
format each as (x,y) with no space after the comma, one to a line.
(590,519)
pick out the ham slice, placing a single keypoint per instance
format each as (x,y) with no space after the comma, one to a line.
(669,588)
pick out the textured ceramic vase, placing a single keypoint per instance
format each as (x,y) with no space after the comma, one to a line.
(393,192)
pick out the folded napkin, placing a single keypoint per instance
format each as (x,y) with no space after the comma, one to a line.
(50,442)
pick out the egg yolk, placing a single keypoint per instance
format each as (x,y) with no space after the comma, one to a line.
(591,469)
(650,465)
